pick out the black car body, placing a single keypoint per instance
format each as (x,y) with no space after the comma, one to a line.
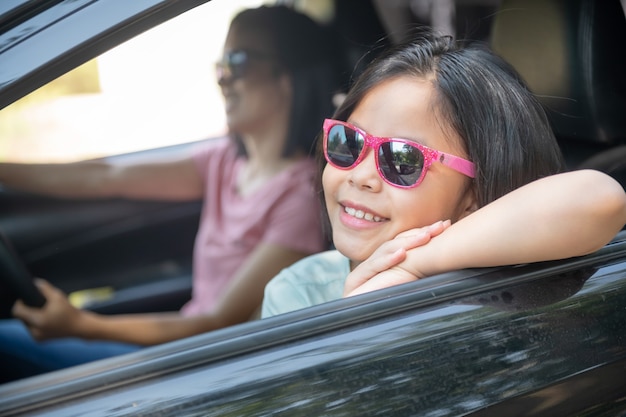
(543,339)
(540,340)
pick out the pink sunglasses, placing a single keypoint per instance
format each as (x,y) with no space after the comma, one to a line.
(400,162)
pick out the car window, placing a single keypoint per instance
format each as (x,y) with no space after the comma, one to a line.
(155,90)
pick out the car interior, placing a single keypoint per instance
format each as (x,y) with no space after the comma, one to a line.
(120,256)
(564,52)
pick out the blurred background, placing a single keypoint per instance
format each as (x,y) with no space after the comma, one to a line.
(159,89)
(152,91)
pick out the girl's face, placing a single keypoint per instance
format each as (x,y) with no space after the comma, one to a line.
(402,108)
(256,93)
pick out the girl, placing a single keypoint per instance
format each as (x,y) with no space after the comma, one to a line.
(435,134)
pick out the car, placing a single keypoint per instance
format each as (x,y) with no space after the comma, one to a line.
(541,339)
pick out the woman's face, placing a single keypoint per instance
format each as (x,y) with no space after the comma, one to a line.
(261,94)
(400,108)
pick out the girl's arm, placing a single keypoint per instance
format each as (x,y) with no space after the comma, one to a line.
(556,217)
(149,179)
(242,299)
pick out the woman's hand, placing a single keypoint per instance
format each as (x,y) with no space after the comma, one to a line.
(57,318)
(381,269)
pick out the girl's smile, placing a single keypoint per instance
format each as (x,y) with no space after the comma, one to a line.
(362,213)
(359,217)
(364,210)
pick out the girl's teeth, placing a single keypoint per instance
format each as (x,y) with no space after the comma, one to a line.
(360,214)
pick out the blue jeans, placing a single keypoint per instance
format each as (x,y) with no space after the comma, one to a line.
(22,356)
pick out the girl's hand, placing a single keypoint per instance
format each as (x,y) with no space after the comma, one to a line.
(57,318)
(380,270)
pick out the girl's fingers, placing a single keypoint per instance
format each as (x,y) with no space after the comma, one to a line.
(437,228)
(371,267)
(387,256)
(389,278)
(433,230)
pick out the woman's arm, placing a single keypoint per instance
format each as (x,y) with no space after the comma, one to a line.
(149,179)
(560,216)
(240,301)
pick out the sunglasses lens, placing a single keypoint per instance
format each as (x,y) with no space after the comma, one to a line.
(232,65)
(343,146)
(401,163)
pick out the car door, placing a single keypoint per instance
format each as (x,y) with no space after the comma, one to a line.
(532,340)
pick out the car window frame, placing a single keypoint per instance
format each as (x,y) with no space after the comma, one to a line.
(61,53)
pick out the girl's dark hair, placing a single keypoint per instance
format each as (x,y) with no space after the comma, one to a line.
(304,49)
(504,129)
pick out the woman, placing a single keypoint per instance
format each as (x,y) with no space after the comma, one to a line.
(440,141)
(260,212)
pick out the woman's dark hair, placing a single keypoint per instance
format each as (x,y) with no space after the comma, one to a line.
(504,129)
(304,49)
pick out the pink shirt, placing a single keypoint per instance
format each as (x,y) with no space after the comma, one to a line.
(285,211)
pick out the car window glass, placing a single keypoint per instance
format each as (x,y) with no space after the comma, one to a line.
(155,90)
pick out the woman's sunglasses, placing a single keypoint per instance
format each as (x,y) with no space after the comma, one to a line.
(400,162)
(234,64)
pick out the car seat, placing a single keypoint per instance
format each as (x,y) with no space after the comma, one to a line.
(569,53)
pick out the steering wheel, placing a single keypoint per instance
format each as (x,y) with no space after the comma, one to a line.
(16,282)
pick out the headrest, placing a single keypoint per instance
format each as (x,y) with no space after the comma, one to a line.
(570,54)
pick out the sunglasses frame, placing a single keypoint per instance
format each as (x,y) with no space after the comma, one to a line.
(226,69)
(457,163)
